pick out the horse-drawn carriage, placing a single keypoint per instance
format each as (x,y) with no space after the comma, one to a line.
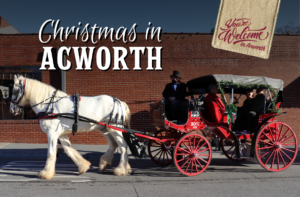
(188,145)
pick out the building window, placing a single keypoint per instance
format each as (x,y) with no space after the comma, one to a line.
(6,85)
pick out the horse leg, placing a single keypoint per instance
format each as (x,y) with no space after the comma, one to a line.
(83,165)
(49,170)
(123,168)
(106,159)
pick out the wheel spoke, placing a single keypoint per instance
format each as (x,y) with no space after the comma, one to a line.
(269,157)
(190,143)
(271,133)
(287,139)
(281,158)
(179,148)
(266,142)
(164,157)
(181,159)
(265,153)
(264,147)
(200,146)
(277,160)
(284,134)
(156,149)
(186,146)
(195,165)
(202,155)
(184,163)
(273,159)
(288,150)
(182,154)
(192,162)
(188,165)
(158,153)
(198,143)
(233,152)
(230,149)
(285,154)
(280,133)
(288,144)
(276,132)
(199,163)
(202,150)
(201,159)
(167,157)
(194,147)
(267,137)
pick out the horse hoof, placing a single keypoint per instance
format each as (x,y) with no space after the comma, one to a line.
(84,167)
(103,167)
(120,171)
(128,168)
(45,175)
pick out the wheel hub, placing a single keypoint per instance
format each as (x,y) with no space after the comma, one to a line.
(277,146)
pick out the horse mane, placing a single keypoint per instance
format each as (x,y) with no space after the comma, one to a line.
(37,91)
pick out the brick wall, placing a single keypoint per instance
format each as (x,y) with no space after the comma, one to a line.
(192,55)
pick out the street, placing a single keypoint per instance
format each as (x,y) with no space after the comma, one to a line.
(222,178)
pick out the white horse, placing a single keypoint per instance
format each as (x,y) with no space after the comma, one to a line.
(36,94)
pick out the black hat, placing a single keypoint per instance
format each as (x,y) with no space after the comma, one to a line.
(176,74)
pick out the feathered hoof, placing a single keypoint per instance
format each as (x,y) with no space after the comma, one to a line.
(104,165)
(46,174)
(84,167)
(120,171)
(128,168)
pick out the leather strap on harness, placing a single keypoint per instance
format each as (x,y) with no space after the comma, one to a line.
(76,106)
(52,98)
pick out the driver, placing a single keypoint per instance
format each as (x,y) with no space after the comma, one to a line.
(174,93)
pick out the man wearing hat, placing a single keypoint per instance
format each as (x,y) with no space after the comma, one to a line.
(174,93)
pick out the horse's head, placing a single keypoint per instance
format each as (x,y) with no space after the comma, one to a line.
(18,101)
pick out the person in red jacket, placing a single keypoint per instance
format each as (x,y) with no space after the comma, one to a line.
(212,96)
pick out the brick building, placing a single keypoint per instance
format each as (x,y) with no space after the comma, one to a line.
(191,54)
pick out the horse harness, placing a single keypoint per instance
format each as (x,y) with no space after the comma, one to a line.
(134,145)
(49,113)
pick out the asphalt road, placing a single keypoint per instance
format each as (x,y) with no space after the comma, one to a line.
(222,178)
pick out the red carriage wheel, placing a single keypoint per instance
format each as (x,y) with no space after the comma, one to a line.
(276,146)
(161,153)
(228,148)
(196,154)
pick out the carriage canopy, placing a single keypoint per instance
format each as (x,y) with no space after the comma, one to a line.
(205,81)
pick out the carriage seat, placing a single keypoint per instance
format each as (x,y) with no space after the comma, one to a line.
(213,113)
(267,115)
(182,111)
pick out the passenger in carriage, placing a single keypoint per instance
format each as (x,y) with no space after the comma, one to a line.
(256,109)
(212,96)
(174,94)
(242,113)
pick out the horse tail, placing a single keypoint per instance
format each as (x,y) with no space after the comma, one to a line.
(127,116)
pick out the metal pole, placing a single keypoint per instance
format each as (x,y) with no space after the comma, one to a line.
(265,100)
(231,96)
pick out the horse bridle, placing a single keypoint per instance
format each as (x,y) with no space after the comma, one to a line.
(19,95)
